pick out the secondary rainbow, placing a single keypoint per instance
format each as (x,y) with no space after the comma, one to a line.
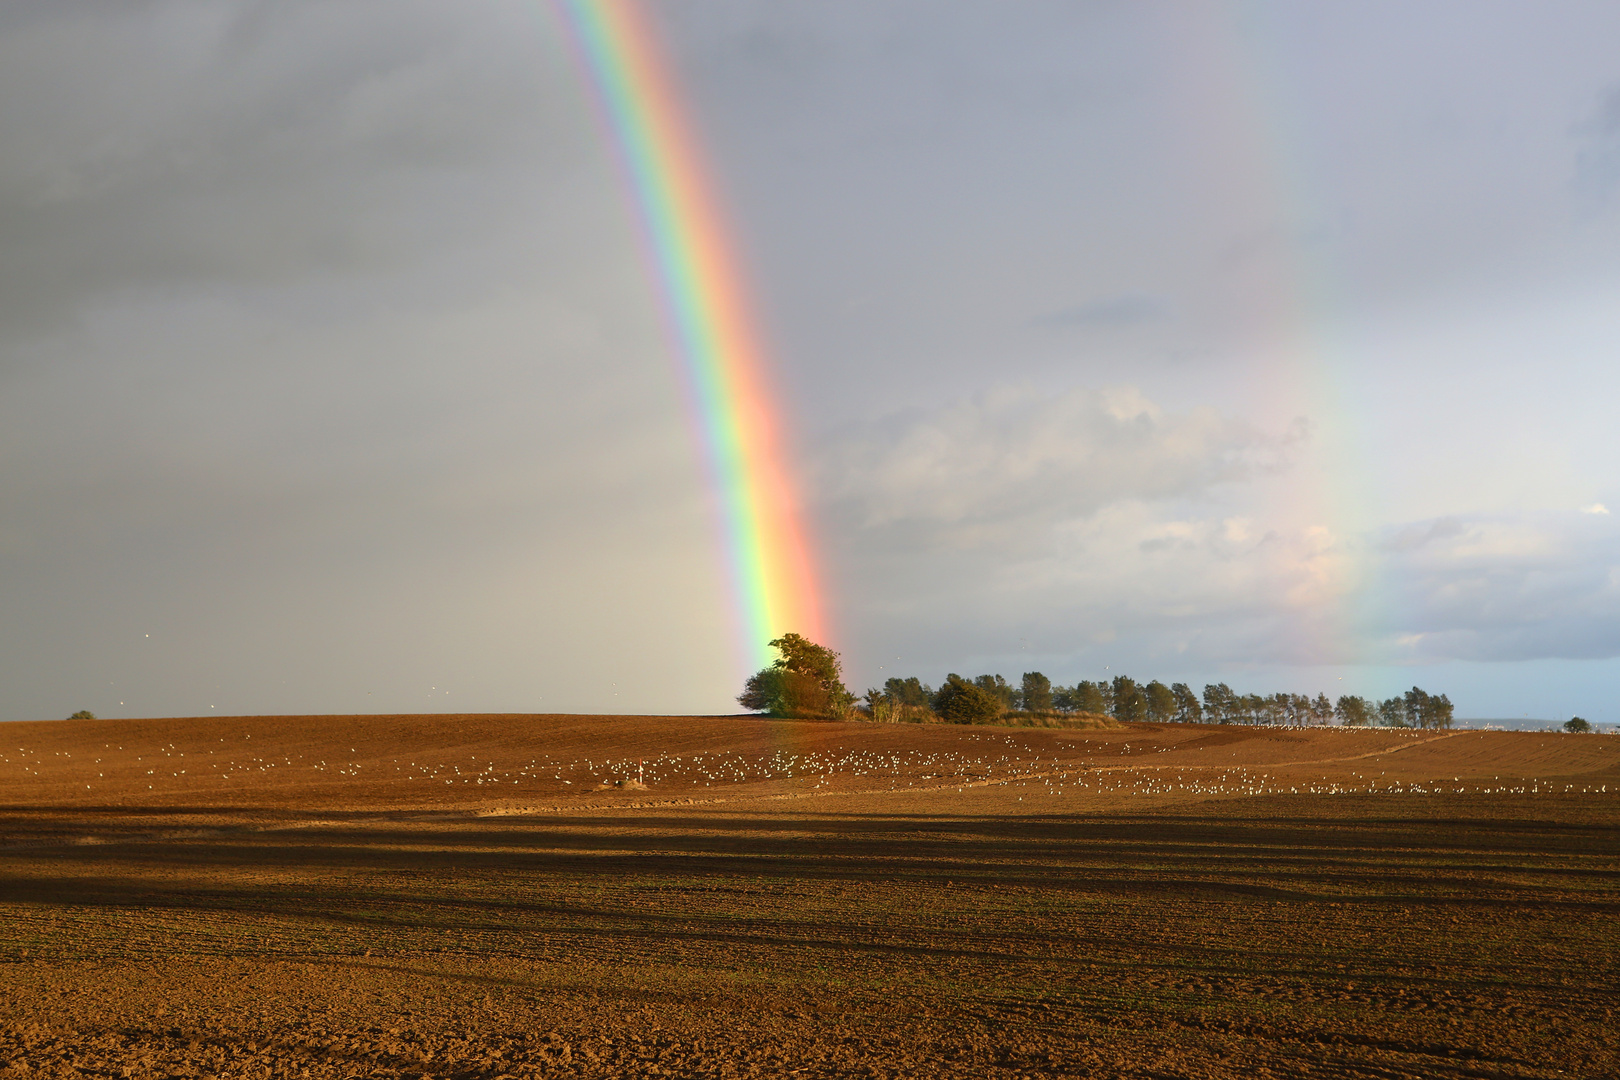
(766,548)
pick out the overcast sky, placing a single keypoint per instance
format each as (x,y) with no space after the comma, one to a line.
(1267,343)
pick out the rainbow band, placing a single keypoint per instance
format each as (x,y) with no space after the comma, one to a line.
(765,543)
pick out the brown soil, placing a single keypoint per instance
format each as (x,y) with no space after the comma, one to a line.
(486,896)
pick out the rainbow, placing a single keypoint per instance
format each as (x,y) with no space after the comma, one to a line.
(723,365)
(1228,76)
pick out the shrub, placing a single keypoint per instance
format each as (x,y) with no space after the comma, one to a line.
(83,714)
(1576,725)
(958,701)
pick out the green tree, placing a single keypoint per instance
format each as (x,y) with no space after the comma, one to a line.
(83,714)
(1161,702)
(958,701)
(805,681)
(900,701)
(1353,711)
(1575,725)
(1426,710)
(999,688)
(1035,695)
(1130,706)
(1187,708)
(1092,697)
(909,691)
(1220,704)
(786,694)
(1416,702)
(804,656)
(1392,713)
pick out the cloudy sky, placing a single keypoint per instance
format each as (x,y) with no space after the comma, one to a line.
(1267,343)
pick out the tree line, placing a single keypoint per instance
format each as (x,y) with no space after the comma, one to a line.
(1122,698)
(806,680)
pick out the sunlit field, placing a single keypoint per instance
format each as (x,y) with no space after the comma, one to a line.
(586,896)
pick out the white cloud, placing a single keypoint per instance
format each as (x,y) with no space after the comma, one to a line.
(1089,518)
(1595,508)
(1104,526)
(1013,459)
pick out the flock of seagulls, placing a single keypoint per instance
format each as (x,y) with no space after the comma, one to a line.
(987,760)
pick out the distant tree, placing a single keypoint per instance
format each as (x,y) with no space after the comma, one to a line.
(1321,710)
(1417,707)
(83,714)
(1220,704)
(760,691)
(1392,713)
(1035,695)
(1161,702)
(804,656)
(1275,708)
(879,706)
(908,691)
(900,700)
(763,691)
(1575,725)
(1130,705)
(1352,711)
(806,681)
(1187,708)
(1253,709)
(1440,711)
(1091,697)
(1426,710)
(786,693)
(1003,691)
(961,702)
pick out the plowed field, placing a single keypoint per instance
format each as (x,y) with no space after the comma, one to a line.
(537,896)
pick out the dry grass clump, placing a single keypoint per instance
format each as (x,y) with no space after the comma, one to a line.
(1068,721)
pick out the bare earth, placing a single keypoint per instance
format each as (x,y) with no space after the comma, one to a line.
(458,896)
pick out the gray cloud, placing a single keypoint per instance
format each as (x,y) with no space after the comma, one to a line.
(330,347)
(1503,589)
(338,517)
(158,145)
(325,346)
(1597,158)
(1119,311)
(1409,537)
